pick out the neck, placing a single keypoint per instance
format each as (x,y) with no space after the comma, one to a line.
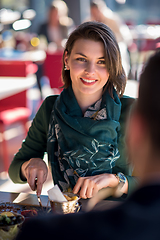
(86,100)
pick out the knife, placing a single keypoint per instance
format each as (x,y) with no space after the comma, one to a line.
(38,197)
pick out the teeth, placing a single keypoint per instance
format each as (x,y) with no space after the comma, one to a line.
(88,81)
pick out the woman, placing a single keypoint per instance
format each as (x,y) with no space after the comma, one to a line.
(79,129)
(58,26)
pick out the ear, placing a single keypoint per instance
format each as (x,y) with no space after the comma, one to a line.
(66,60)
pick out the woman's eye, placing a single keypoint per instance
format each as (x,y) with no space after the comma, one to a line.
(101,62)
(81,59)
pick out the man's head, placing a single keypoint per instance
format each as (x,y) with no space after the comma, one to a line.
(143,133)
(149,97)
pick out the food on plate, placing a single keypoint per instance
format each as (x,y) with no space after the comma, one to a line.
(7,213)
(72,198)
(9,225)
(9,207)
(12,217)
(8,218)
(29,213)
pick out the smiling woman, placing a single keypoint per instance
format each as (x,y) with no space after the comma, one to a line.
(79,129)
(109,50)
(87,70)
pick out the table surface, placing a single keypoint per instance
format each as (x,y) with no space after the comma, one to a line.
(12,54)
(31,200)
(12,85)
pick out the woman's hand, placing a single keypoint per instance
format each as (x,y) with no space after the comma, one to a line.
(34,169)
(87,187)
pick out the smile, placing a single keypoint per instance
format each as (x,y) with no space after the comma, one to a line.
(88,81)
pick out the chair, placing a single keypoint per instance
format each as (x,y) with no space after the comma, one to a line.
(15,68)
(52,69)
(12,110)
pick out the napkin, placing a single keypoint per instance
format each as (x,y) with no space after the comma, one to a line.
(21,197)
(56,195)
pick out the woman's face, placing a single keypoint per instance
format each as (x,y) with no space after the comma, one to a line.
(87,67)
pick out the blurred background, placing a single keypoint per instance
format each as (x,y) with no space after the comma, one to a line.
(32,38)
(138,12)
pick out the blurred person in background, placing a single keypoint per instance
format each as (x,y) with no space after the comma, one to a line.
(101,13)
(58,25)
(53,35)
(138,217)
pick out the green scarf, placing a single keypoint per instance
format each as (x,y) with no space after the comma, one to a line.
(80,146)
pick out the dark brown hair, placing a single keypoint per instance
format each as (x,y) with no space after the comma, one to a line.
(148,104)
(99,32)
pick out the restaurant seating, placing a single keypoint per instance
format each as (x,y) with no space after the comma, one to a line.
(12,110)
(12,68)
(52,69)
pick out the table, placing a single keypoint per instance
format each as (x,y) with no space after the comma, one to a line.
(12,85)
(12,54)
(34,56)
(31,199)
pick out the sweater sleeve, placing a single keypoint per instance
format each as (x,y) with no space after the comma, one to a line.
(35,144)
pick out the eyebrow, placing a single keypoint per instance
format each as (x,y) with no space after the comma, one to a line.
(86,56)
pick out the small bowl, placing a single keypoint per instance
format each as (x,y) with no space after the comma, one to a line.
(66,207)
(10,231)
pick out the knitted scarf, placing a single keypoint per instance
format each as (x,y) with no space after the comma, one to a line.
(81,146)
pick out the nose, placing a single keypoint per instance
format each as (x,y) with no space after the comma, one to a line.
(90,68)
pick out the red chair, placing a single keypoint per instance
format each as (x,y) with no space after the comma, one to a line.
(52,69)
(13,68)
(12,110)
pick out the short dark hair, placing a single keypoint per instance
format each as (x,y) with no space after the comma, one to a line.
(148,103)
(97,31)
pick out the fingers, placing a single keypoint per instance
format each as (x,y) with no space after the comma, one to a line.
(31,176)
(78,185)
(41,178)
(86,187)
(36,174)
